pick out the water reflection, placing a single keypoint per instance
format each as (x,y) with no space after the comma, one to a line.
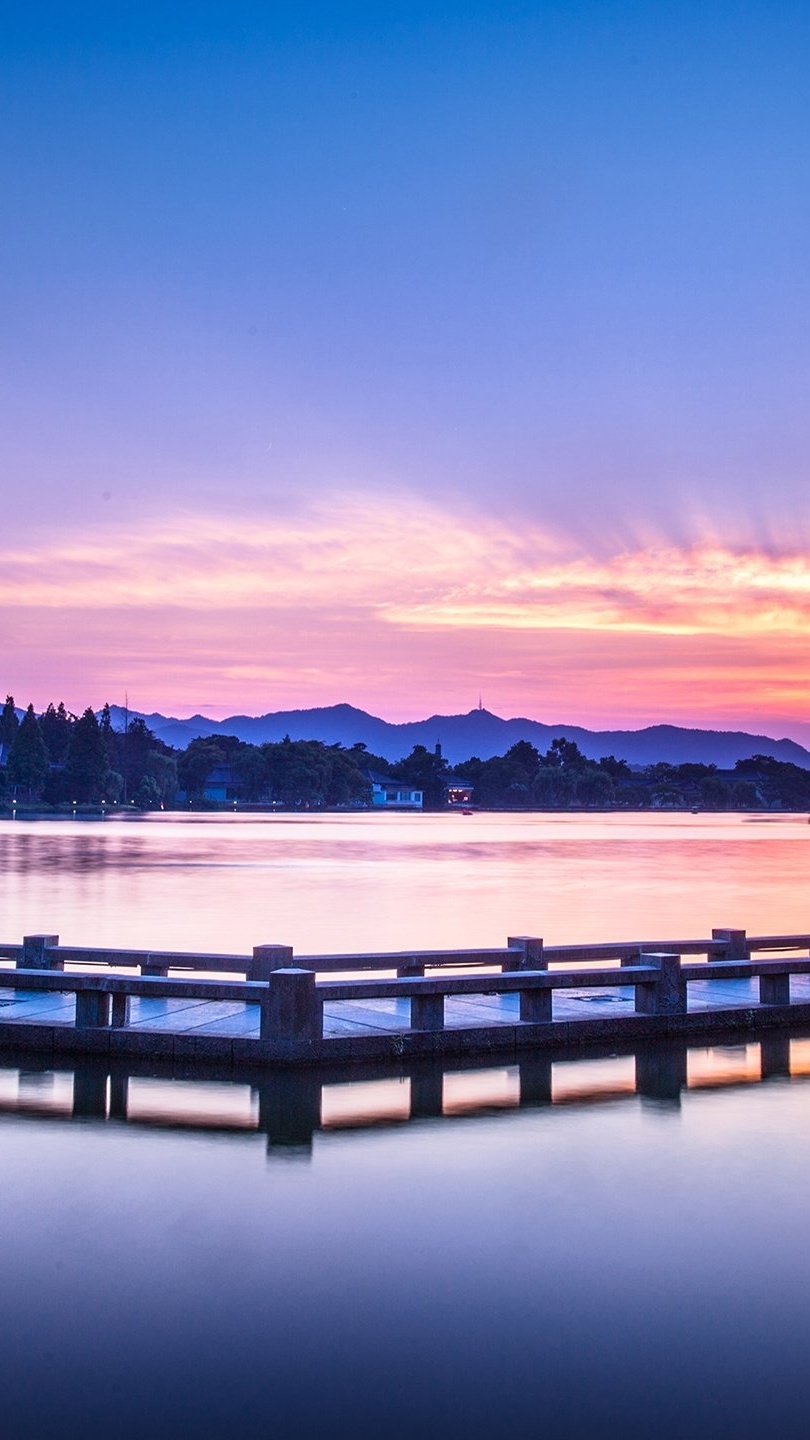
(366,882)
(290,1107)
(611,1243)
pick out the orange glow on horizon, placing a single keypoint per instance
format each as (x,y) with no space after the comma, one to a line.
(400,607)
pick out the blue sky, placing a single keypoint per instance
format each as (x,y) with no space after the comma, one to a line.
(534,267)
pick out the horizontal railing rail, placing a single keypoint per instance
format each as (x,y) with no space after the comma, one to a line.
(148,959)
(402,959)
(331,990)
(264,957)
(746,969)
(45,952)
(151,987)
(778,942)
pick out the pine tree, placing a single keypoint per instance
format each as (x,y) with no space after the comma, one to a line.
(28,757)
(9,724)
(86,766)
(55,724)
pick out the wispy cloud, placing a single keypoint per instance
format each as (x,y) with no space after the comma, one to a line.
(399,605)
(414,566)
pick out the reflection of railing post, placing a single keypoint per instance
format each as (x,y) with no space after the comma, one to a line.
(427,1091)
(666,995)
(90,1091)
(266,959)
(119,1096)
(661,1073)
(535,1080)
(291,1012)
(535,1005)
(290,1108)
(34,955)
(774,1057)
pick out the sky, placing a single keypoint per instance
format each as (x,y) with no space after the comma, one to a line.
(406,354)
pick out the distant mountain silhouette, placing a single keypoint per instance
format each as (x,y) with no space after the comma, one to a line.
(478,733)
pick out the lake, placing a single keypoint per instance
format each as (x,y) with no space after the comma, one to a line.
(613,1257)
(359,882)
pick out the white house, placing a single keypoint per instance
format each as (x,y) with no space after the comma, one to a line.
(388,794)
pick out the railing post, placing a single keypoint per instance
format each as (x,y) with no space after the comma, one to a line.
(266,959)
(92,1009)
(34,955)
(120,1011)
(774,989)
(427,1012)
(666,995)
(535,1005)
(529,954)
(291,1011)
(410,969)
(154,968)
(736,947)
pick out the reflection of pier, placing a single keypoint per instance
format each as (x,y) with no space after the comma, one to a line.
(291,1106)
(522,999)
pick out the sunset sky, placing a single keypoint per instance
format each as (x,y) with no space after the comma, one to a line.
(400,353)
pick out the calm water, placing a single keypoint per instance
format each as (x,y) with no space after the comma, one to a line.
(594,1262)
(364,882)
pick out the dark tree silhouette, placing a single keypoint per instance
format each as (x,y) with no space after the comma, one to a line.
(28,757)
(87,766)
(9,724)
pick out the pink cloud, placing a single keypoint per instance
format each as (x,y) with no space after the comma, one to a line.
(402,607)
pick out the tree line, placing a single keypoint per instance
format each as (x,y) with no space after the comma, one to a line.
(61,759)
(563,778)
(58,758)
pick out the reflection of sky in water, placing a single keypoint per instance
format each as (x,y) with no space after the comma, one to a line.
(365,882)
(611,1267)
(606,1265)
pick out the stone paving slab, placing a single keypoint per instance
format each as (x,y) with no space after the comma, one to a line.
(178,1016)
(242,1022)
(384,1016)
(55,1009)
(726,994)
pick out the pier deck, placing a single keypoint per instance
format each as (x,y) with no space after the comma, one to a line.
(352,1009)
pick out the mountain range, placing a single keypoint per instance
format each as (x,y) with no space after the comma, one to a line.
(477,733)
